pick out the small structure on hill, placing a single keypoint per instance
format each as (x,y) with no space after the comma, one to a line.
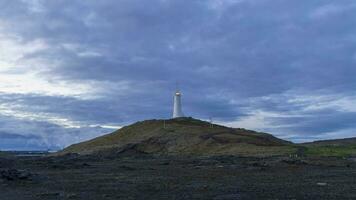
(177,107)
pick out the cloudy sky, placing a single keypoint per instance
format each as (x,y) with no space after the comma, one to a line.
(71,70)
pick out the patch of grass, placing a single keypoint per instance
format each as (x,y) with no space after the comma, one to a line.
(4,154)
(332,150)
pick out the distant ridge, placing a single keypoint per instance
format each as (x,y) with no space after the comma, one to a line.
(186,136)
(344,141)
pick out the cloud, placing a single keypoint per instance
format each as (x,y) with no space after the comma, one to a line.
(29,134)
(35,6)
(276,66)
(331,10)
(301,116)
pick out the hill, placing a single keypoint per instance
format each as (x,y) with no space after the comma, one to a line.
(184,136)
(4,154)
(339,147)
(336,142)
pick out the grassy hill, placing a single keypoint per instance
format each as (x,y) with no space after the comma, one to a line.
(340,147)
(3,154)
(185,136)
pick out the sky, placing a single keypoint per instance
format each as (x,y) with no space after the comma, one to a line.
(71,70)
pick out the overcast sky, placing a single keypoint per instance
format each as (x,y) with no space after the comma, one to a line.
(71,70)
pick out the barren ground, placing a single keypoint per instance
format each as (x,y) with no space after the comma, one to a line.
(158,177)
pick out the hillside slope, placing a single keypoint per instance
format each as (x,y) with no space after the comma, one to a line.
(186,136)
(339,147)
(336,142)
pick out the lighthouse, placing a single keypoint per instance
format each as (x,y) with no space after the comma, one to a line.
(177,107)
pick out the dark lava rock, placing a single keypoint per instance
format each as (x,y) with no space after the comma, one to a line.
(6,163)
(259,164)
(165,163)
(51,194)
(14,174)
(294,161)
(66,165)
(128,168)
(227,196)
(58,166)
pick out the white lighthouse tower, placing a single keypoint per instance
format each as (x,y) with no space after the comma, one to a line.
(177,107)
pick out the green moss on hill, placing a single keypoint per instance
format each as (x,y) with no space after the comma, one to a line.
(339,148)
(186,136)
(337,151)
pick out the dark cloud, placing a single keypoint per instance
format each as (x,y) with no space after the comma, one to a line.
(25,134)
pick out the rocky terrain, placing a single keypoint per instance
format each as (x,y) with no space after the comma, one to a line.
(144,176)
